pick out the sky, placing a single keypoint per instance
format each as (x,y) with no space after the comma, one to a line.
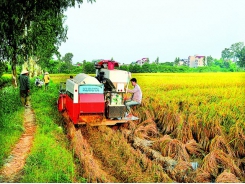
(128,30)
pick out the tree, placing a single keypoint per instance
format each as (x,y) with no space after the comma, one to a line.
(19,39)
(88,67)
(168,63)
(241,58)
(146,68)
(49,33)
(176,61)
(236,48)
(157,61)
(52,66)
(209,60)
(135,68)
(68,58)
(124,67)
(226,54)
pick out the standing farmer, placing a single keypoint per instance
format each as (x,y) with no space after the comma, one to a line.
(46,80)
(25,88)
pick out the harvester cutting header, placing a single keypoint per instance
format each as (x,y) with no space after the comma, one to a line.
(96,100)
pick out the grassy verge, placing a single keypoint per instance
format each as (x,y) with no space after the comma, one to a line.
(50,160)
(11,120)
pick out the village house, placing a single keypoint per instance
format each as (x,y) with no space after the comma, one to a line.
(183,62)
(196,61)
(141,61)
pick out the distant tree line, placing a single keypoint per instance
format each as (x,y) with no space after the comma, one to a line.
(65,66)
(232,61)
(214,65)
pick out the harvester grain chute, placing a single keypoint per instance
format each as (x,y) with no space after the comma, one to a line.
(96,100)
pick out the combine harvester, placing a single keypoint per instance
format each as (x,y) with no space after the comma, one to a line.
(96,100)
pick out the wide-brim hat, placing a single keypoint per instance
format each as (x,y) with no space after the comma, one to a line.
(46,73)
(24,72)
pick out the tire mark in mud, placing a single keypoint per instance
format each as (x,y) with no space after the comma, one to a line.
(16,161)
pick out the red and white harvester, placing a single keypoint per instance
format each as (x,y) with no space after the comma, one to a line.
(96,100)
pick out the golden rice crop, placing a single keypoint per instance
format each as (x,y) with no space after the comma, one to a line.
(220,143)
(227,177)
(188,115)
(217,161)
(201,112)
(171,148)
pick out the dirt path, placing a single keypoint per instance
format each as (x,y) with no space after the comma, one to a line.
(19,153)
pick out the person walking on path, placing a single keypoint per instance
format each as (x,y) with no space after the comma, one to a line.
(46,79)
(136,95)
(25,88)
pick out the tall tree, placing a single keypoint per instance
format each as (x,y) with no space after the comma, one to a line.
(16,44)
(49,33)
(241,58)
(68,58)
(236,48)
(209,60)
(226,54)
(157,60)
(176,61)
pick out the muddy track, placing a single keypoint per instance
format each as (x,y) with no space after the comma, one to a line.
(15,162)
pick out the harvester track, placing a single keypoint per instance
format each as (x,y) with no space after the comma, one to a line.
(94,168)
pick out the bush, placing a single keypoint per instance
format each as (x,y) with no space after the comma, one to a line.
(4,81)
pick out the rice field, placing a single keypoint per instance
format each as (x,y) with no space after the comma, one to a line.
(193,121)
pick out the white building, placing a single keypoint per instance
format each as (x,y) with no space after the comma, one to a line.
(196,61)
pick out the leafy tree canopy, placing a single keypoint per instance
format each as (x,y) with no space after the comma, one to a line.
(233,51)
(241,57)
(209,60)
(68,58)
(226,54)
(32,28)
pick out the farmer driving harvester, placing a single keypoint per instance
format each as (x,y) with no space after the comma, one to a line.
(99,100)
(135,98)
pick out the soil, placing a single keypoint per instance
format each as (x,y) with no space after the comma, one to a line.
(16,161)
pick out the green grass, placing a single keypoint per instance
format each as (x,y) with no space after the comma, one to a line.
(10,133)
(11,121)
(51,159)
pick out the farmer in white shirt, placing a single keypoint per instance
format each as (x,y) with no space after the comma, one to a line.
(136,95)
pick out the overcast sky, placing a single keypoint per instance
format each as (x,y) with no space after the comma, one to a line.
(129,30)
